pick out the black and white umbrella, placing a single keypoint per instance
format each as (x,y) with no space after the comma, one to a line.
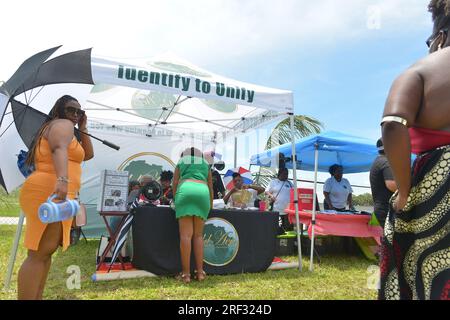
(19,126)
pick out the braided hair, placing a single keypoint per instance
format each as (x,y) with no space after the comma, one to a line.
(57,112)
(440,10)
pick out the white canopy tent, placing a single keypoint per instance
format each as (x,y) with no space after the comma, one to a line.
(153,98)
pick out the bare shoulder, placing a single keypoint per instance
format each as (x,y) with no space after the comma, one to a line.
(409,81)
(62,122)
(438,61)
(61,127)
(414,73)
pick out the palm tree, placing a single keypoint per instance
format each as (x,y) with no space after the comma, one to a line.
(281,134)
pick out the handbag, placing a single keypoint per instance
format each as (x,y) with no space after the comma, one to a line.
(21,164)
(81,217)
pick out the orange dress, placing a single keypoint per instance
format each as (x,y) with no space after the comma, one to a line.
(41,184)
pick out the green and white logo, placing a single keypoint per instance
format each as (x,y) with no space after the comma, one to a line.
(221,242)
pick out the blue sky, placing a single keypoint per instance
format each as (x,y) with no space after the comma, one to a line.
(339,57)
(345,84)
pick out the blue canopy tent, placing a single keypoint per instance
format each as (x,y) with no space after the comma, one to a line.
(317,153)
(355,154)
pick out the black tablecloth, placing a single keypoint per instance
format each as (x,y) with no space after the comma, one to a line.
(156,242)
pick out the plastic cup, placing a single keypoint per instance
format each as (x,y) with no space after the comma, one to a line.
(262,206)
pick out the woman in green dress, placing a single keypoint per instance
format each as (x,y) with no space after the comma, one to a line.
(193,190)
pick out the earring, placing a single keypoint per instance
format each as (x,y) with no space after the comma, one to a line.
(440,46)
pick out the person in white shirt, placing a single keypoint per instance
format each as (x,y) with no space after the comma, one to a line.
(337,190)
(279,192)
(242,196)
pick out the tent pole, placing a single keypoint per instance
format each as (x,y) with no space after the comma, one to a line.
(294,177)
(313,221)
(13,254)
(235,152)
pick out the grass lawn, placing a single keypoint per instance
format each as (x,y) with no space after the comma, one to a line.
(9,204)
(337,277)
(10,210)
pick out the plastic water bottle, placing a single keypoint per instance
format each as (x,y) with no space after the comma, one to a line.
(50,211)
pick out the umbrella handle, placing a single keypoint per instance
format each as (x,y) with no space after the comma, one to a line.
(111,145)
(107,143)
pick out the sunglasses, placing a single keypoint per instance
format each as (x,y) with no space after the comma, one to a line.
(74,111)
(433,37)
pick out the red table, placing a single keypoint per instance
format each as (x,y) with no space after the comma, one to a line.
(347,225)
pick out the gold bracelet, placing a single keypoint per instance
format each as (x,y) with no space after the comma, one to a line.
(63,179)
(400,120)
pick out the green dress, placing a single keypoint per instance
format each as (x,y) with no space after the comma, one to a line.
(192,198)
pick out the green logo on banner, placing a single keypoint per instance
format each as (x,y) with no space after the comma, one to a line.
(221,242)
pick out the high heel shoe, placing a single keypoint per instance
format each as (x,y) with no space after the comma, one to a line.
(184,277)
(199,276)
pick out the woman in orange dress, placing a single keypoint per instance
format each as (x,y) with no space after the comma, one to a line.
(57,156)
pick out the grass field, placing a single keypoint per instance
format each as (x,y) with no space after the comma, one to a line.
(337,277)
(9,204)
(10,210)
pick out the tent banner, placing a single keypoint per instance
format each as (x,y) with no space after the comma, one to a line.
(189,82)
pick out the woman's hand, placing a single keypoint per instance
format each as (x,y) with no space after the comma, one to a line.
(82,122)
(60,190)
(271,198)
(400,203)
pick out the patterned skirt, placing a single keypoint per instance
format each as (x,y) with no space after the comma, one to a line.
(415,254)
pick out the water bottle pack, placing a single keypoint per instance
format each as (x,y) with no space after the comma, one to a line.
(51,211)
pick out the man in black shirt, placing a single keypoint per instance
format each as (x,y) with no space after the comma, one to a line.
(382,184)
(218,187)
(166,184)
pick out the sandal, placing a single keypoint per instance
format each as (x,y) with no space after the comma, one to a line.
(184,277)
(199,276)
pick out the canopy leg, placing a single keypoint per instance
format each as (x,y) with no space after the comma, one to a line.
(313,221)
(235,152)
(13,254)
(294,177)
